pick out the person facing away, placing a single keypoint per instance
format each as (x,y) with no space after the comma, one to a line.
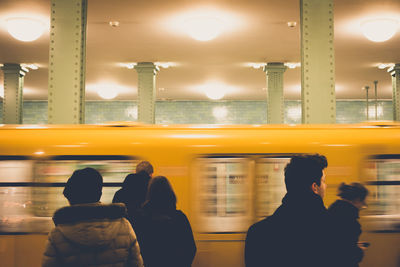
(89,233)
(296,233)
(164,233)
(145,166)
(345,213)
(134,189)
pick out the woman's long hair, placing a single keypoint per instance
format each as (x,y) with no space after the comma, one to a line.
(160,195)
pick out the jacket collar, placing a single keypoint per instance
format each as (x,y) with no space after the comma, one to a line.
(86,212)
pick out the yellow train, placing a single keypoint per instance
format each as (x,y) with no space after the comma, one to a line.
(225,177)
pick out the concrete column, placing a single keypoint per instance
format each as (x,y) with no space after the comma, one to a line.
(317,62)
(275,111)
(67,61)
(146,91)
(395,72)
(13,93)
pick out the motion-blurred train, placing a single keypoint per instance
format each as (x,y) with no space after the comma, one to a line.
(225,177)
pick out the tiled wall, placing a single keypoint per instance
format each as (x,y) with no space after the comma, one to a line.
(222,112)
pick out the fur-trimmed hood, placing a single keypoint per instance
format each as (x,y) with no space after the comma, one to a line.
(94,224)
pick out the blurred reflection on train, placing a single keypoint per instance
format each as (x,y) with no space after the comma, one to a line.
(226,178)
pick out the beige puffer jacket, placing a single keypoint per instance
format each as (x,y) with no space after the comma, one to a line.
(92,235)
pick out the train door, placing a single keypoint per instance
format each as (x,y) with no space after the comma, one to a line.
(232,192)
(381,220)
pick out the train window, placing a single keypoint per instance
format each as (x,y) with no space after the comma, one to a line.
(31,191)
(56,171)
(224,194)
(270,185)
(15,198)
(383,174)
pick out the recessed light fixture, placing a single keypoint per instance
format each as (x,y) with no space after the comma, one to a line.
(204,28)
(113,23)
(25,29)
(379,30)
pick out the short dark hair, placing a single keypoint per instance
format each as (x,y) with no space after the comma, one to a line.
(160,195)
(352,191)
(84,186)
(145,166)
(303,170)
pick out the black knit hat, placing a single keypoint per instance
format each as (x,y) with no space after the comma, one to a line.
(84,186)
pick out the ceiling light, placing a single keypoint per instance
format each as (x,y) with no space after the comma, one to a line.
(25,29)
(1,92)
(30,66)
(106,91)
(164,65)
(292,65)
(383,66)
(255,65)
(292,24)
(203,28)
(379,30)
(114,23)
(128,65)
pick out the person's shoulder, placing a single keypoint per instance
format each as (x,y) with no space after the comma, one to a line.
(262,225)
(180,215)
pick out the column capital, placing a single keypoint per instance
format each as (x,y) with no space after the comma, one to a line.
(395,69)
(274,67)
(14,68)
(147,67)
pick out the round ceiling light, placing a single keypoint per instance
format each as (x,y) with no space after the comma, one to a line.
(25,29)
(379,30)
(203,28)
(106,92)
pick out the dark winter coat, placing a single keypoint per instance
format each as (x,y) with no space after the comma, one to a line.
(92,235)
(297,234)
(165,238)
(347,230)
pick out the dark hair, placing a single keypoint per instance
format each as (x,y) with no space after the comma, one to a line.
(304,170)
(134,189)
(145,166)
(352,191)
(160,195)
(84,186)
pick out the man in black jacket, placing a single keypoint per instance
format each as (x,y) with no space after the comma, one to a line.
(298,233)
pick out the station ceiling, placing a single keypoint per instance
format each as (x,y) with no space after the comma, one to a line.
(257,32)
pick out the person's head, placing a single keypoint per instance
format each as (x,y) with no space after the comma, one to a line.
(160,194)
(145,166)
(354,193)
(84,186)
(305,173)
(135,188)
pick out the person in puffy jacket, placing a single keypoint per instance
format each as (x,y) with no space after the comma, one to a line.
(89,233)
(164,233)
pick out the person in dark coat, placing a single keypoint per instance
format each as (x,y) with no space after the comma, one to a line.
(297,234)
(164,233)
(133,194)
(345,213)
